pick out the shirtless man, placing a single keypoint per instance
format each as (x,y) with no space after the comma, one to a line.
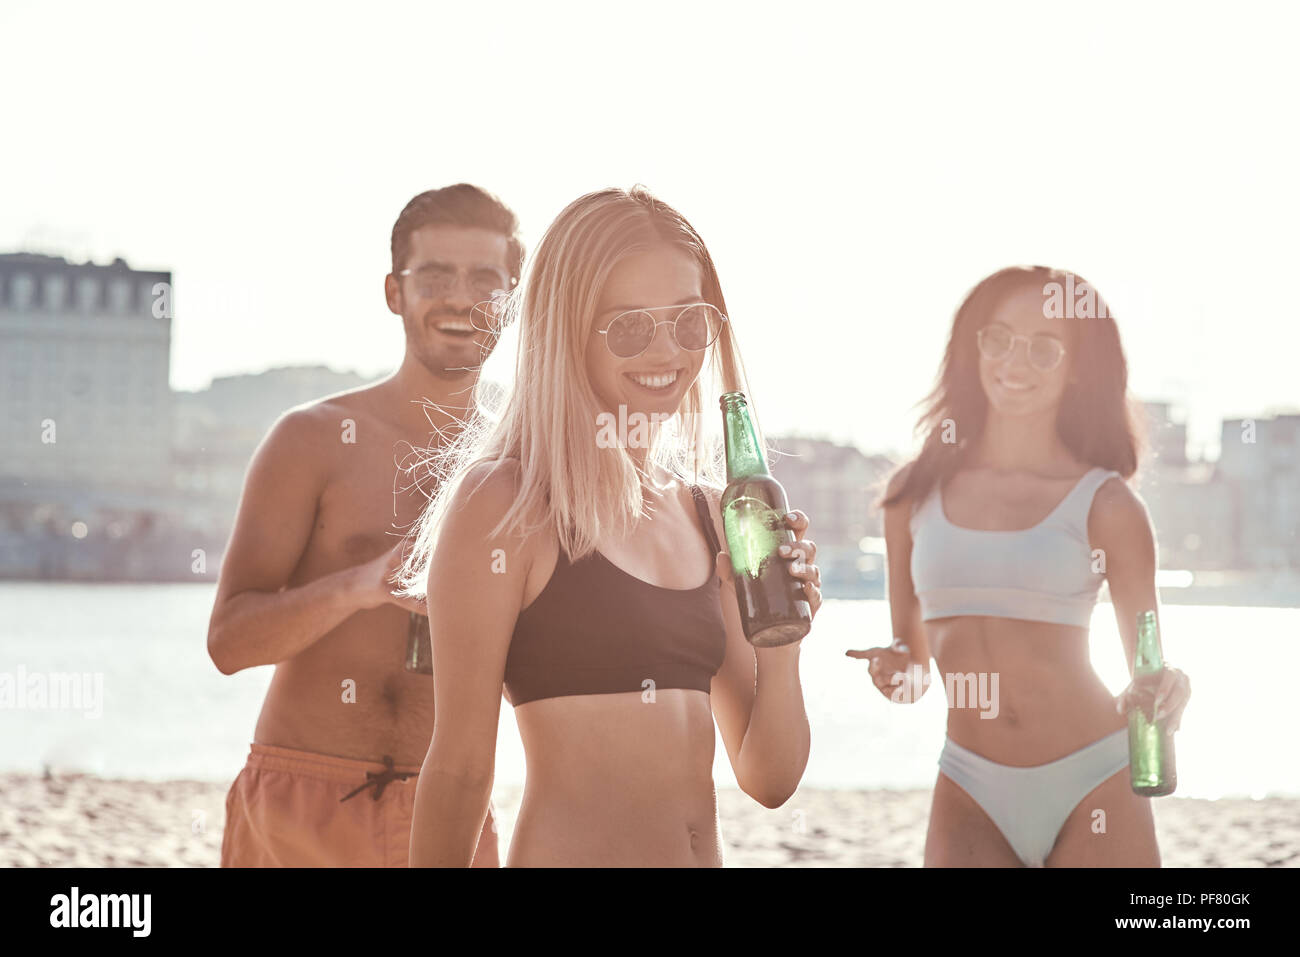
(305,583)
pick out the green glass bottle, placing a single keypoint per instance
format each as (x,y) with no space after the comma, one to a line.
(419,644)
(773,609)
(1150,743)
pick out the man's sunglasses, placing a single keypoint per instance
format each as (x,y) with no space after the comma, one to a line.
(435,280)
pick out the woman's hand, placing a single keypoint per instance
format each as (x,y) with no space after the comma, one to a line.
(894,673)
(375,585)
(800,554)
(1165,692)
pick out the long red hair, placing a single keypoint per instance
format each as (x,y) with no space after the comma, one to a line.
(1096,420)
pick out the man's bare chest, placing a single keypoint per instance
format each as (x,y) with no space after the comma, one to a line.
(365,511)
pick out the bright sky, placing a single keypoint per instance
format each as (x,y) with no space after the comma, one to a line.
(854,169)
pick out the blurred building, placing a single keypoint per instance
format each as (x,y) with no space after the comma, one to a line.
(1166,435)
(105,473)
(1191,505)
(217,429)
(1259,461)
(84,371)
(1195,516)
(85,428)
(1234,522)
(837,486)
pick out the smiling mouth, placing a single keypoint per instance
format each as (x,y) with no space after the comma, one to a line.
(1016,386)
(458,328)
(656,382)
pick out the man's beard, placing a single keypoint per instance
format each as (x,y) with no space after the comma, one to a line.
(422,339)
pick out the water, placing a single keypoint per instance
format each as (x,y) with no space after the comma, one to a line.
(168,713)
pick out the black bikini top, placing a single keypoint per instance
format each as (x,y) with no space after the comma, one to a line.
(595,629)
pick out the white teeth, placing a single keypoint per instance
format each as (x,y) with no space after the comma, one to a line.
(1015,386)
(456,326)
(654,381)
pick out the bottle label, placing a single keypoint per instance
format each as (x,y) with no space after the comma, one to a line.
(754,532)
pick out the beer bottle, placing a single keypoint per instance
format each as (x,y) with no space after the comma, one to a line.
(1150,743)
(773,609)
(419,644)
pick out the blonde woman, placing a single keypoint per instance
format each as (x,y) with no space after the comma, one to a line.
(586,578)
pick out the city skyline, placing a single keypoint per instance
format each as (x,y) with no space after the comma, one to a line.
(49,297)
(86,361)
(1177,411)
(845,240)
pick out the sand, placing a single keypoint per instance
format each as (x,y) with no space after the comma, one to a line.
(81,820)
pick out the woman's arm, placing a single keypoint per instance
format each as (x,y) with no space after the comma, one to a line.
(894,669)
(904,607)
(757,699)
(475,590)
(1120,527)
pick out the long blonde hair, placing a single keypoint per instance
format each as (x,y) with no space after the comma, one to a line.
(548,418)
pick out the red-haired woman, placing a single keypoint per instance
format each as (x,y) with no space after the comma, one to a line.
(999,534)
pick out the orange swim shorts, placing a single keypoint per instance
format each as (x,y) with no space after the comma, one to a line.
(290,808)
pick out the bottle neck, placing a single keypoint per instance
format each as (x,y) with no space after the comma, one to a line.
(1148,657)
(744,455)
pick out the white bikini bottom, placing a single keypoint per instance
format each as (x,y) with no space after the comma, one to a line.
(1029,805)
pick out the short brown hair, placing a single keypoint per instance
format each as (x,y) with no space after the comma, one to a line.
(458,205)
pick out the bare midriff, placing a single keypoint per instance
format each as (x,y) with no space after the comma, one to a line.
(615,780)
(1049,700)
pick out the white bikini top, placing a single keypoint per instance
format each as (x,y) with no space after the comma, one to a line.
(1043,573)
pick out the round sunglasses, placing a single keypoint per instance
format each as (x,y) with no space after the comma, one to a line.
(997,341)
(695,327)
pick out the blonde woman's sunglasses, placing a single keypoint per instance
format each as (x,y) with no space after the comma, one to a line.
(695,327)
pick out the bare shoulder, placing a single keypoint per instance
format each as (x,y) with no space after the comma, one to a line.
(483,497)
(332,412)
(899,478)
(298,439)
(488,485)
(358,398)
(308,440)
(333,415)
(1117,501)
(1118,514)
(485,493)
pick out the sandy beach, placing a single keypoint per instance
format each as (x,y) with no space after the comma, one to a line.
(81,820)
